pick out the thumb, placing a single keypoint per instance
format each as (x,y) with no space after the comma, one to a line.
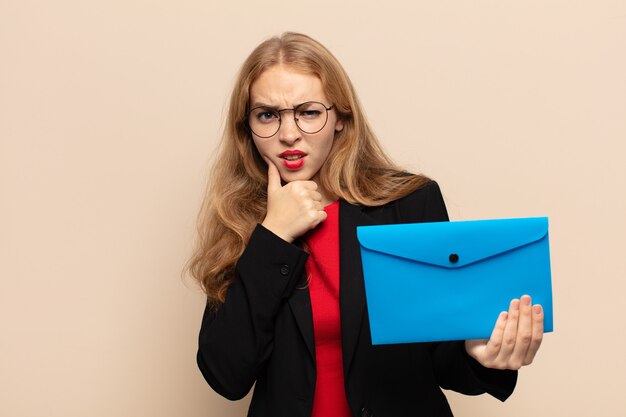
(273,176)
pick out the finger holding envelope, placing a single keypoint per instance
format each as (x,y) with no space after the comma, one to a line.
(292,209)
(515,339)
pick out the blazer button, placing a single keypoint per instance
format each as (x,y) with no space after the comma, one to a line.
(454,258)
(284,270)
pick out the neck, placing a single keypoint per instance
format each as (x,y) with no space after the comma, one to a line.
(327,197)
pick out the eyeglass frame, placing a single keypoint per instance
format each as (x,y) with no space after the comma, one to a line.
(295,120)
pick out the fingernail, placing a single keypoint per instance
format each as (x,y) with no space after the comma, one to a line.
(504,315)
(526,300)
(515,304)
(537,309)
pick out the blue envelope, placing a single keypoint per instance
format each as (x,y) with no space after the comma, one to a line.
(450,280)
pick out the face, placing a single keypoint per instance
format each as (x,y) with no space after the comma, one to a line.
(296,154)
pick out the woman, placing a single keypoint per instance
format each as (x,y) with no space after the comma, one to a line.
(278,258)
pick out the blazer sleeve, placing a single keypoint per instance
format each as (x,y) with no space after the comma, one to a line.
(453,367)
(236,340)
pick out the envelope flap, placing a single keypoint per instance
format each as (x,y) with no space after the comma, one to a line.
(452,244)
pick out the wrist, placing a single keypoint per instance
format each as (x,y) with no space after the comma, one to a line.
(277,231)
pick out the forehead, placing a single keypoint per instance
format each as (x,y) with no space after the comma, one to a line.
(283,86)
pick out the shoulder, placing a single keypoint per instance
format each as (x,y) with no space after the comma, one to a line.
(424,204)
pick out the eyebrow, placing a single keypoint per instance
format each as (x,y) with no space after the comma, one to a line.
(269,106)
(253,105)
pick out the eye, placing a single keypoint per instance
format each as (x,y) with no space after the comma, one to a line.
(265,115)
(310,111)
(309,114)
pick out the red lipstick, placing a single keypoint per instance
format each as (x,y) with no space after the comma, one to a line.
(293,159)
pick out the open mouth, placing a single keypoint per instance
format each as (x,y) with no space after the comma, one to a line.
(292,157)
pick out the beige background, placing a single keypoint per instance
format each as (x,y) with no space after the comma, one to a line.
(109,114)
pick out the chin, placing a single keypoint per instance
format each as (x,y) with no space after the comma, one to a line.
(295,176)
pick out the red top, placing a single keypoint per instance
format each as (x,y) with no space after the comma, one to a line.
(323,270)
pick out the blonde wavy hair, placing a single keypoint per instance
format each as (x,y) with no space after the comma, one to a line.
(357,170)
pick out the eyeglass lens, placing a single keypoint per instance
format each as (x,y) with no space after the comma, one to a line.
(310,117)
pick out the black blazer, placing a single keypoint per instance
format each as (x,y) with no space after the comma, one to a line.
(263,333)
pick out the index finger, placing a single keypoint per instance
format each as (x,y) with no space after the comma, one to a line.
(273,176)
(495,341)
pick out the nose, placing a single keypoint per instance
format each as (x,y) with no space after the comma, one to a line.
(288,132)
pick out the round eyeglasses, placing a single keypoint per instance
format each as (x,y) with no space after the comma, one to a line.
(310,117)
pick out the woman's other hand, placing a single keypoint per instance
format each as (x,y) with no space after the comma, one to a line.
(515,339)
(293,209)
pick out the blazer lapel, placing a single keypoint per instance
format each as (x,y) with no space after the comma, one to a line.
(351,289)
(300,304)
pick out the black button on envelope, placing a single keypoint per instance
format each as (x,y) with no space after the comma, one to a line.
(454,258)
(284,270)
